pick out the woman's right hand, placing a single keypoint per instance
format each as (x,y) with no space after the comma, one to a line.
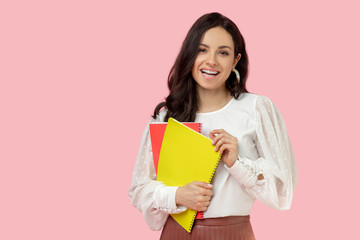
(195,195)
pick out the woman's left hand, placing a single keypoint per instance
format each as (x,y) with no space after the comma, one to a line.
(226,144)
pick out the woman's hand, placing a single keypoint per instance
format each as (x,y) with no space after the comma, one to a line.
(195,195)
(226,144)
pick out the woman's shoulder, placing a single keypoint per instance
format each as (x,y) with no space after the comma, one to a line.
(255,98)
(160,116)
(251,103)
(252,97)
(250,100)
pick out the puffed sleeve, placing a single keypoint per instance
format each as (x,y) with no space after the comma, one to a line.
(151,197)
(276,160)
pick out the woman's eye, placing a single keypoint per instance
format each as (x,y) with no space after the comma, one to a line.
(202,50)
(225,53)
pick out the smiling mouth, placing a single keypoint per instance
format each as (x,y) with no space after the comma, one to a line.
(209,73)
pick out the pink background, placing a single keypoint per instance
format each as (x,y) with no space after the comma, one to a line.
(80,79)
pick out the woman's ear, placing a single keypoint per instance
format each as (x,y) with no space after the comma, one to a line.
(237,60)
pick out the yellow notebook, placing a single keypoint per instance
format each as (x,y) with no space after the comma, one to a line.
(185,156)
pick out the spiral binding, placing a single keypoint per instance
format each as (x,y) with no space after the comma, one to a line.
(210,178)
(214,170)
(199,215)
(209,181)
(192,222)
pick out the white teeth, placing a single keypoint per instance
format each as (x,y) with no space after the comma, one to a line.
(209,72)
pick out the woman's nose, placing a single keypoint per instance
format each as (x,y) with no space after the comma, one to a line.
(211,60)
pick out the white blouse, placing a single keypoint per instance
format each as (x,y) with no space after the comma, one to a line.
(264,148)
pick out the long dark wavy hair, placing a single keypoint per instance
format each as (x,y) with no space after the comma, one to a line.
(182,101)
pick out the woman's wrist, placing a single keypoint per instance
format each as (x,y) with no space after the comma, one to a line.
(178,199)
(231,163)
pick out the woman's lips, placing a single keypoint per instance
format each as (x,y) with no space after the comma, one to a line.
(209,74)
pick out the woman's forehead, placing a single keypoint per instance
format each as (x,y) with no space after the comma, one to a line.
(217,37)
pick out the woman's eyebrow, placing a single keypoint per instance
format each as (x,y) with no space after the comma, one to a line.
(221,47)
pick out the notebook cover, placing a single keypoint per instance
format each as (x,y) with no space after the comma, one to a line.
(185,156)
(157,131)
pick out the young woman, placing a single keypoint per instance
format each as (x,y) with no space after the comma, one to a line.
(207,85)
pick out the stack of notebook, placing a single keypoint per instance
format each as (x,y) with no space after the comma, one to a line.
(182,155)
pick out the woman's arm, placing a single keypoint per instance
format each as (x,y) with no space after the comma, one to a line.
(151,197)
(272,177)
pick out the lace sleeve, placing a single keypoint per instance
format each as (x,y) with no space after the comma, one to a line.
(276,162)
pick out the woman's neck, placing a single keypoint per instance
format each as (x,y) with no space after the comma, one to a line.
(210,101)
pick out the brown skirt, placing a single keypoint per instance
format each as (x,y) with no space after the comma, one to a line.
(224,228)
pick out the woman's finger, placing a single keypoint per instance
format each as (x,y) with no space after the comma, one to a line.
(219,137)
(207,198)
(217,131)
(218,144)
(224,140)
(225,147)
(214,134)
(208,192)
(216,139)
(202,184)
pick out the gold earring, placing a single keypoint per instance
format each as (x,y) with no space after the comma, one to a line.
(237,75)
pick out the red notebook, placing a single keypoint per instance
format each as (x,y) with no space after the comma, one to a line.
(157,131)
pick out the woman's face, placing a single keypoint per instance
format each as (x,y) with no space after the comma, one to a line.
(215,60)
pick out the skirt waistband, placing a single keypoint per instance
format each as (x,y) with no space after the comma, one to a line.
(234,228)
(220,221)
